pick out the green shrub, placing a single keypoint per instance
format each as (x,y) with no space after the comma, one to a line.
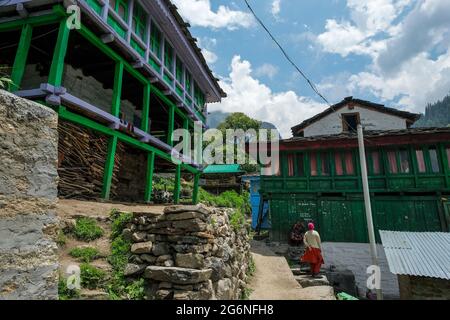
(237,219)
(251,267)
(120,251)
(61,239)
(86,229)
(119,288)
(64,292)
(86,254)
(119,222)
(228,199)
(91,277)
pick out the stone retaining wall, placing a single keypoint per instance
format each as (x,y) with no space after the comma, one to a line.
(189,252)
(28,195)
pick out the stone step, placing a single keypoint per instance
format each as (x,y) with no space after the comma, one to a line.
(307,281)
(86,294)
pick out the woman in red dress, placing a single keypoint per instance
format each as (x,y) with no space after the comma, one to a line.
(313,253)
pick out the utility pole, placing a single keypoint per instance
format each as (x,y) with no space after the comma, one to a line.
(365,182)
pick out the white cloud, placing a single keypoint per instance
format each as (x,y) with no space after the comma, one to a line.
(207,44)
(267,70)
(276,7)
(406,70)
(369,19)
(210,56)
(247,94)
(199,13)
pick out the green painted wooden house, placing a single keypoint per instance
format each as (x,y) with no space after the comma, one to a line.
(132,74)
(319,176)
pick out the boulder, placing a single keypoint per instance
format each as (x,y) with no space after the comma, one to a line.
(189,260)
(142,247)
(186,208)
(184,215)
(191,225)
(160,249)
(177,275)
(148,258)
(138,237)
(132,269)
(224,289)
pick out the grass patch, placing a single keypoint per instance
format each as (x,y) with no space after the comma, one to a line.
(86,229)
(61,239)
(245,294)
(86,254)
(119,287)
(237,219)
(251,267)
(91,277)
(64,292)
(119,222)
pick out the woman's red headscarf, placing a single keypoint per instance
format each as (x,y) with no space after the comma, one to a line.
(311,226)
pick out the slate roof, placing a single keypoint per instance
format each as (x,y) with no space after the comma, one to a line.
(193,41)
(411,117)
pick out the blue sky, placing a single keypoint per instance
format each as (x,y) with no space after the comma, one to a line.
(395,52)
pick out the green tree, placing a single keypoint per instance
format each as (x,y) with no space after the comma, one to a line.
(240,121)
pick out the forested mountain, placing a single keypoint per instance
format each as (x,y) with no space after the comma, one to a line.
(436,115)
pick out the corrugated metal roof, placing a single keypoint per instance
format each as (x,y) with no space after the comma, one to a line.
(223,168)
(425,254)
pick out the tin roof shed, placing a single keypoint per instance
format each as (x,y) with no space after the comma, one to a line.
(424,254)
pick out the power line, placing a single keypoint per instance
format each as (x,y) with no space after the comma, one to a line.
(310,83)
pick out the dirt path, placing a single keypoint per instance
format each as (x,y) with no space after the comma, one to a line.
(273,279)
(67,208)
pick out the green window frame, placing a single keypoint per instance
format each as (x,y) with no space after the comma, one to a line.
(320,164)
(300,165)
(399,161)
(199,96)
(121,8)
(139,21)
(155,40)
(427,160)
(179,71)
(375,164)
(344,163)
(188,82)
(168,56)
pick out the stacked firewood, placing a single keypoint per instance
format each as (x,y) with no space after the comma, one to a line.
(81,155)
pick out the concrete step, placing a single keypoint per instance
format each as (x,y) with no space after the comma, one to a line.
(307,281)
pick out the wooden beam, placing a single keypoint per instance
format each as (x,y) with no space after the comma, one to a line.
(57,67)
(118,77)
(109,168)
(149,176)
(171,125)
(177,187)
(21,57)
(196,188)
(146,108)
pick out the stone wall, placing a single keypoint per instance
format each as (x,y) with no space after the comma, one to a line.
(423,288)
(189,252)
(356,258)
(28,195)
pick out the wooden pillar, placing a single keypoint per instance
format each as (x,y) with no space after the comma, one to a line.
(21,57)
(146,108)
(177,187)
(109,168)
(186,139)
(171,125)
(118,77)
(196,187)
(149,176)
(57,68)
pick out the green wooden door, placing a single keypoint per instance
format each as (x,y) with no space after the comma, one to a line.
(447,214)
